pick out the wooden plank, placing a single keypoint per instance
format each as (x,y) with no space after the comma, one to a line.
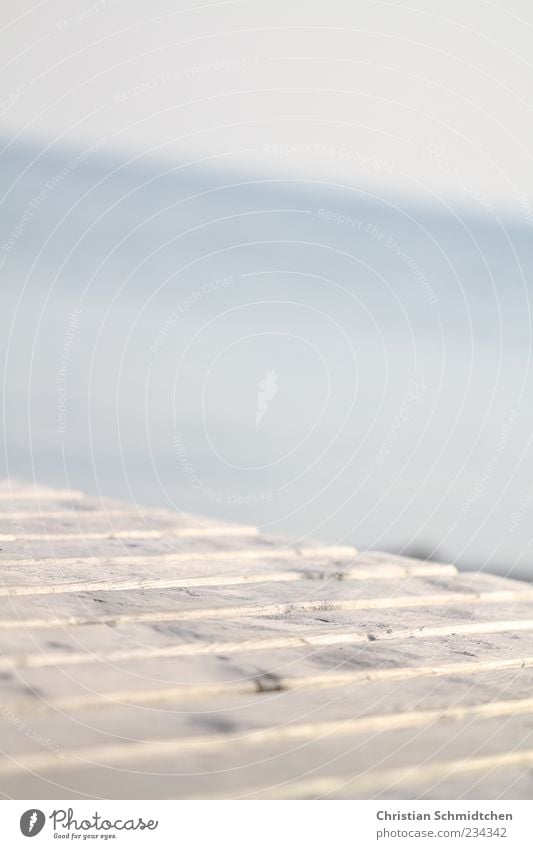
(267,636)
(262,599)
(97,515)
(323,605)
(125,739)
(310,568)
(410,777)
(82,537)
(152,553)
(300,715)
(354,765)
(498,779)
(150,682)
(200,565)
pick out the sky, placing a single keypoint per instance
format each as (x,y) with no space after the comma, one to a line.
(420,101)
(425,100)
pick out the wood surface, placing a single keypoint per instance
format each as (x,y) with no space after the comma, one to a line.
(146,653)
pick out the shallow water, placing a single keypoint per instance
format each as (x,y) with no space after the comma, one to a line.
(292,354)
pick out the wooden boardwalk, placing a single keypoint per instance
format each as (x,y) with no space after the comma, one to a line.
(147,654)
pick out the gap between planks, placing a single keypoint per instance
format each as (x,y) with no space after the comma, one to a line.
(266,553)
(90,512)
(181,533)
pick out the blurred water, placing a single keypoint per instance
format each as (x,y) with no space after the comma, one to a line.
(238,348)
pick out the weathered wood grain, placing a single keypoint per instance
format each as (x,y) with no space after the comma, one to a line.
(194,658)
